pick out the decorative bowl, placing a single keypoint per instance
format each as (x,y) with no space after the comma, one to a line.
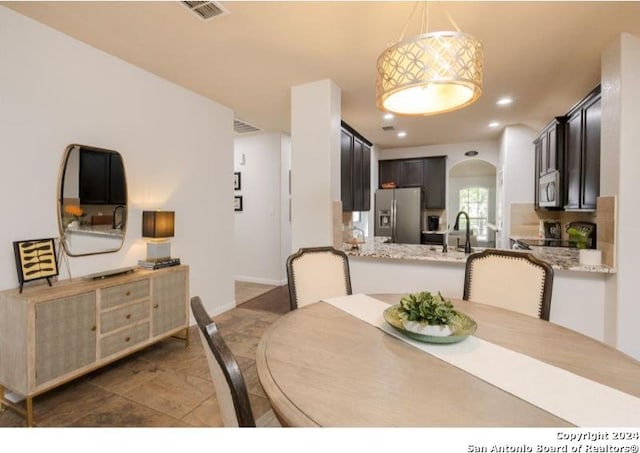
(461,327)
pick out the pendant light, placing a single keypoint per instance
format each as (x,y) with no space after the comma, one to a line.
(431,73)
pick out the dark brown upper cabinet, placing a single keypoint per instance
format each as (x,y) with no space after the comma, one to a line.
(355,161)
(411,173)
(550,146)
(429,173)
(582,175)
(435,186)
(549,156)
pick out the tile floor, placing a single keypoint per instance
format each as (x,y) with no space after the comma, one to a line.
(165,385)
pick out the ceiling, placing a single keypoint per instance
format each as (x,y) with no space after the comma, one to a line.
(545,55)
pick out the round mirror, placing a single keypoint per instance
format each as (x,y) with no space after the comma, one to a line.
(92,201)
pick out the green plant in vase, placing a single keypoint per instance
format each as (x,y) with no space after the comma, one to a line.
(579,236)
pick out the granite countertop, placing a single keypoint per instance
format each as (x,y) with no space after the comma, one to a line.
(560,258)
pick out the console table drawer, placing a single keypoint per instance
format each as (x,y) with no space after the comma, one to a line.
(123,316)
(124,339)
(121,294)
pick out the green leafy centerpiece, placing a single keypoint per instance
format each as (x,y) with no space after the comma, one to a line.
(427,314)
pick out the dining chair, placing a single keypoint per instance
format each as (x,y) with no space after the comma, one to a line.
(231,390)
(513,280)
(315,273)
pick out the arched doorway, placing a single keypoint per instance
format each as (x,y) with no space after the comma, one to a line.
(472,188)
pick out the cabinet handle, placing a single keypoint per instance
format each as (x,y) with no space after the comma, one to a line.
(156,305)
(128,316)
(93,329)
(126,340)
(128,293)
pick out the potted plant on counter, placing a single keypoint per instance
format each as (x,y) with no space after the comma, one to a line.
(579,236)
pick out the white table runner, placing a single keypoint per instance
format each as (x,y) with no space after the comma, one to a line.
(578,400)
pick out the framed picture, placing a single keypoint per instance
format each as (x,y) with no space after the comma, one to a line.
(237,203)
(236,180)
(35,259)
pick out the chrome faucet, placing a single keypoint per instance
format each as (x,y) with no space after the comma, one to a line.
(467,236)
(118,225)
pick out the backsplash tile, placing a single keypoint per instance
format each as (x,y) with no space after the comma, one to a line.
(606,221)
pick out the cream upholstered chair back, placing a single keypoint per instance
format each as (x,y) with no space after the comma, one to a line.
(512,280)
(231,390)
(315,273)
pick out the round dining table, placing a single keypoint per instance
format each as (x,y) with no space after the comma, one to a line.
(322,367)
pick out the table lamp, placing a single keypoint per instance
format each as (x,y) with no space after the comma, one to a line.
(158,226)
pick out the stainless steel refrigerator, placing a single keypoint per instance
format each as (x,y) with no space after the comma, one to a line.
(398,214)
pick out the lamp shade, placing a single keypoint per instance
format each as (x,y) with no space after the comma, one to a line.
(431,73)
(157,224)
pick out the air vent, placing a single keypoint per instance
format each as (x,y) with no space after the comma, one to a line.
(240,127)
(388,128)
(206,10)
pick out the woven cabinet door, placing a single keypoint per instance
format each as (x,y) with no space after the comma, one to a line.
(169,302)
(65,337)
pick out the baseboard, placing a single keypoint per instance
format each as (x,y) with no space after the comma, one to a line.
(220,310)
(263,281)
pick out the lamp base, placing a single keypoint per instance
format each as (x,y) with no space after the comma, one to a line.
(158,251)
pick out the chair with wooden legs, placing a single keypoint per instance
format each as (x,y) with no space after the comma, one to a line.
(231,390)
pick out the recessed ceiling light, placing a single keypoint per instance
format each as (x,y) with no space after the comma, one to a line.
(471,153)
(388,116)
(402,134)
(494,124)
(504,101)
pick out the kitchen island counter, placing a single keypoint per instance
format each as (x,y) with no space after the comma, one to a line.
(578,300)
(560,258)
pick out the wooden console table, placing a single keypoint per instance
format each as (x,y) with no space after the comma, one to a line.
(51,335)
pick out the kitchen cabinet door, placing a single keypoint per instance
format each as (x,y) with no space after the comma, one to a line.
(536,173)
(358,190)
(573,160)
(355,172)
(591,154)
(550,147)
(346,170)
(388,172)
(435,176)
(582,174)
(411,173)
(366,177)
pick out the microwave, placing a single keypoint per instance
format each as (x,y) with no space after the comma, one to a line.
(550,193)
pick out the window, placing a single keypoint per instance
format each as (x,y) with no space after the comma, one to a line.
(475,202)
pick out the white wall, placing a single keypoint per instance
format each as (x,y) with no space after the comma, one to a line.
(516,159)
(315,162)
(285,201)
(620,173)
(177,149)
(258,251)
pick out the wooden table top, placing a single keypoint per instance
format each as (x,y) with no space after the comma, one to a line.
(320,366)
